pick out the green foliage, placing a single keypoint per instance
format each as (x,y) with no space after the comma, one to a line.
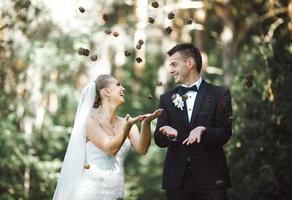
(261,145)
(259,153)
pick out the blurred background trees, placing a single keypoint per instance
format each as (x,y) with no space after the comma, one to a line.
(246,46)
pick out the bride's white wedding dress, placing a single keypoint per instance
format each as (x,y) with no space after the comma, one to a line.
(104,180)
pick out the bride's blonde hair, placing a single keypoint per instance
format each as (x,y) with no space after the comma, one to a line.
(101,82)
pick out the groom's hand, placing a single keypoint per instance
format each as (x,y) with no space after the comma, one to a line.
(195,135)
(169,132)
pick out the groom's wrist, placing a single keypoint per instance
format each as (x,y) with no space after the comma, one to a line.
(172,138)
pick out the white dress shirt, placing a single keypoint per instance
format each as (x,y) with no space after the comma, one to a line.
(192,98)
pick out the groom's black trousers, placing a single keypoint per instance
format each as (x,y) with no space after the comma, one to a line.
(190,191)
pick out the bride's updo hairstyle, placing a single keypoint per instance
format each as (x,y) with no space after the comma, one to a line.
(101,82)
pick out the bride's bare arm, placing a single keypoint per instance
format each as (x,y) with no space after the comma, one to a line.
(142,141)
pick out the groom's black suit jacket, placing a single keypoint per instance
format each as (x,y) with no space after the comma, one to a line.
(212,109)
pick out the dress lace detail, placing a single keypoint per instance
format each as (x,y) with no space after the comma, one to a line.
(104,180)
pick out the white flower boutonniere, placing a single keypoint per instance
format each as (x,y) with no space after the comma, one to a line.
(178,100)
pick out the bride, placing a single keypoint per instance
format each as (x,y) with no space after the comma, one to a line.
(93,167)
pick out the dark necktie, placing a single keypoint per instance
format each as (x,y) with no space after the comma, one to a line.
(184,90)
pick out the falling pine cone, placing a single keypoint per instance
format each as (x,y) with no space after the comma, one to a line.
(168,30)
(155,4)
(151,20)
(116,34)
(81,9)
(138,46)
(173,97)
(171,15)
(108,32)
(127,53)
(86,52)
(105,17)
(83,51)
(139,60)
(80,51)
(249,76)
(184,97)
(159,83)
(150,96)
(93,57)
(248,84)
(189,21)
(141,42)
(249,79)
(86,165)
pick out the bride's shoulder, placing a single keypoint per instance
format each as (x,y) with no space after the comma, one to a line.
(92,120)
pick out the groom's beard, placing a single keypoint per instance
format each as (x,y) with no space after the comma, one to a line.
(177,79)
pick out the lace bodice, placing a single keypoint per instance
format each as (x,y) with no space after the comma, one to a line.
(104,180)
(104,161)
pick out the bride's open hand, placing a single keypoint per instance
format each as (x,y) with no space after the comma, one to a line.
(146,117)
(132,120)
(150,116)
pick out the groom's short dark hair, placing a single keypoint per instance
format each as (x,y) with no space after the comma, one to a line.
(188,50)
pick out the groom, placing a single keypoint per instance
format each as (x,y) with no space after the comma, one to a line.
(194,129)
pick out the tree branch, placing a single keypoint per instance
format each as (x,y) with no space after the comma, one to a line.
(273,13)
(5,26)
(249,26)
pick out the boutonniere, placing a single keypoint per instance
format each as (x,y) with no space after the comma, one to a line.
(179,100)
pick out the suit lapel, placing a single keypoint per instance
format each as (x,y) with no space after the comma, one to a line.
(181,114)
(200,96)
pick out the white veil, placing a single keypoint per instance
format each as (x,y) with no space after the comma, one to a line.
(73,164)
